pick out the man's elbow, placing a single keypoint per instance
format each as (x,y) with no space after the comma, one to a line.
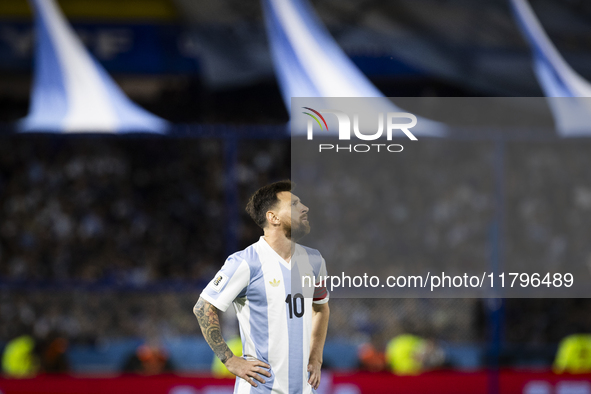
(199,307)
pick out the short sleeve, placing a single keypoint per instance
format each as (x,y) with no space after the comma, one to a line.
(321,294)
(228,283)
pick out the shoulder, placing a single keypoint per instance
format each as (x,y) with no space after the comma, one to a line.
(313,256)
(249,256)
(310,251)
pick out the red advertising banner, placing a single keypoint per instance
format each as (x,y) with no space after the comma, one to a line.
(443,382)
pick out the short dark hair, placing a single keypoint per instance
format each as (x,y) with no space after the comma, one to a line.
(264,199)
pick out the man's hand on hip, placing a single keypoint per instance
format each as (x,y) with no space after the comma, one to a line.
(248,370)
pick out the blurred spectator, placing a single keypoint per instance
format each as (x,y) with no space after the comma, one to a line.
(370,358)
(53,354)
(411,355)
(149,359)
(574,355)
(20,359)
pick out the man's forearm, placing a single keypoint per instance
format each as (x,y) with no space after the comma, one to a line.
(207,316)
(319,328)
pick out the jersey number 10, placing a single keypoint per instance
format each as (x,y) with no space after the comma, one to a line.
(295,308)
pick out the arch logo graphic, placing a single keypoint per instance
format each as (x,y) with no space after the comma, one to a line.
(344,122)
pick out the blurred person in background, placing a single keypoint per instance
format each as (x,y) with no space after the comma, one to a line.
(574,355)
(371,359)
(150,358)
(20,358)
(52,352)
(408,354)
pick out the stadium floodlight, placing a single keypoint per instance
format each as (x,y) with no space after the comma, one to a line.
(71,91)
(556,77)
(309,63)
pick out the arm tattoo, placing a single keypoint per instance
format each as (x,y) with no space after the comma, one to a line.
(207,316)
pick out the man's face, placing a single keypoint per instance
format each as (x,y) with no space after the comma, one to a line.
(293,215)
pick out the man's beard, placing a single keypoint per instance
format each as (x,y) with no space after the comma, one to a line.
(295,233)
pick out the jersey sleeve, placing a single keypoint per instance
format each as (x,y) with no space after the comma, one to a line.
(228,283)
(321,294)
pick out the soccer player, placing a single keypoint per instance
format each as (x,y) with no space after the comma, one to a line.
(283,322)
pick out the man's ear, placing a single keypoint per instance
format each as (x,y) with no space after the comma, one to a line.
(272,218)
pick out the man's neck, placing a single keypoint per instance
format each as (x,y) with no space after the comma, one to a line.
(280,244)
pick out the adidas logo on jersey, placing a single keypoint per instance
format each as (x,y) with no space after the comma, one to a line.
(275,282)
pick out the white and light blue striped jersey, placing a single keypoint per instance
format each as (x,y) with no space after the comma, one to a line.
(274,311)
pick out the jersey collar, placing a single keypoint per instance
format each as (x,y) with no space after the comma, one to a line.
(275,255)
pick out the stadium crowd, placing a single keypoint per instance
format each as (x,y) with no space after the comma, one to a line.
(107,237)
(121,211)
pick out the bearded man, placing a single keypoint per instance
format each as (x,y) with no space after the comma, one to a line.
(282,325)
